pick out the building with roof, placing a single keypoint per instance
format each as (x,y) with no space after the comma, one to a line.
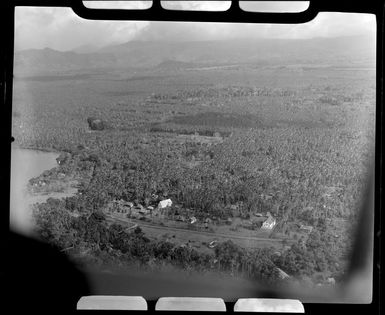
(306,228)
(269,223)
(282,274)
(165,203)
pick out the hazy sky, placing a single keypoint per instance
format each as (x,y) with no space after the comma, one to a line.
(61,29)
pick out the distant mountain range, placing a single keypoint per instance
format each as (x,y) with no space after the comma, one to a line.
(354,50)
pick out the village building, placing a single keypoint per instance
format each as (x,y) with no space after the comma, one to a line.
(282,274)
(164,203)
(213,244)
(120,206)
(306,228)
(331,281)
(266,196)
(180,218)
(63,157)
(269,223)
(257,223)
(302,243)
(207,221)
(247,224)
(144,211)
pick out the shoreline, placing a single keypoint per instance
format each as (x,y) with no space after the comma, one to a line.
(22,198)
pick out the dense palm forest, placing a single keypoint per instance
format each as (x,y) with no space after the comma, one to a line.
(215,150)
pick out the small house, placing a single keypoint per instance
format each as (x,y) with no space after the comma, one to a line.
(63,158)
(257,223)
(331,281)
(213,244)
(266,196)
(247,223)
(306,228)
(282,274)
(269,223)
(143,211)
(180,218)
(165,203)
(138,207)
(208,221)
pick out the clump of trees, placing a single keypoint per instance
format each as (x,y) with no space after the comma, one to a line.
(96,123)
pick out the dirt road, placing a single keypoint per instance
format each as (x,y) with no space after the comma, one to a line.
(198,237)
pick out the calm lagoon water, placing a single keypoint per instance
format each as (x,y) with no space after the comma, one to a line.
(26,164)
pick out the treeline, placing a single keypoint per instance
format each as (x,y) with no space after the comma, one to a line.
(230,91)
(192,130)
(59,227)
(89,236)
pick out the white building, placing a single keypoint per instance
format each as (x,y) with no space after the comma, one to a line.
(269,223)
(282,274)
(165,203)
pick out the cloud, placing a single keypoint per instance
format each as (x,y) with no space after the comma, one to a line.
(62,29)
(324,25)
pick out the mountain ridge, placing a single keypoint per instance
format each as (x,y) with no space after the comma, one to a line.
(147,54)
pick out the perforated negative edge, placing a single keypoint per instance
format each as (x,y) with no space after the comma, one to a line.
(112,302)
(190,304)
(269,306)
